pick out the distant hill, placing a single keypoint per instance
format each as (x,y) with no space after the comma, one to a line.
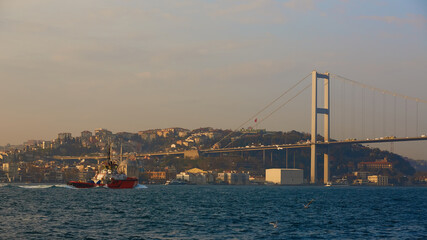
(419,165)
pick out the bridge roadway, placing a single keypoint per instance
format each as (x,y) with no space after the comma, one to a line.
(288,146)
(376,140)
(300,145)
(79,157)
(260,148)
(308,144)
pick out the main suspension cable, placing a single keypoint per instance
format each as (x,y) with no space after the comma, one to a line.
(263,109)
(277,109)
(380,90)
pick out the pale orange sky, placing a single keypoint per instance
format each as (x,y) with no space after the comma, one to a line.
(69,66)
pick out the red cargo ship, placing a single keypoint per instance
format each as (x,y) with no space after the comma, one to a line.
(109,178)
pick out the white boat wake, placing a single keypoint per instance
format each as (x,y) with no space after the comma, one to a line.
(35,186)
(45,186)
(140,186)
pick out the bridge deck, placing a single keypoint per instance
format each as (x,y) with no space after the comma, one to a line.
(260,148)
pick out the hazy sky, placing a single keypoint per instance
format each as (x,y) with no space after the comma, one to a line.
(69,66)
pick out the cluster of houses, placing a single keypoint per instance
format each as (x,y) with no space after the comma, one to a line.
(41,171)
(38,172)
(369,178)
(83,170)
(184,138)
(367,173)
(200,177)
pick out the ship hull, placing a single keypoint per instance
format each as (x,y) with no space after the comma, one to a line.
(78,184)
(123,184)
(114,184)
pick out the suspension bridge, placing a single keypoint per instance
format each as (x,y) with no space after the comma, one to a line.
(375,122)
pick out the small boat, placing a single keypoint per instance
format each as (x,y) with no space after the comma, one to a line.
(339,183)
(109,177)
(175,182)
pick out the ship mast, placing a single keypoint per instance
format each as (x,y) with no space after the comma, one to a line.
(121,152)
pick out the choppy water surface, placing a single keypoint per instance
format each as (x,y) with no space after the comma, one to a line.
(212,212)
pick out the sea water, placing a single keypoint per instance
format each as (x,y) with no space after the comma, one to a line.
(212,212)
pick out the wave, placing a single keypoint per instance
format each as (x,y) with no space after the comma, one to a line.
(9,185)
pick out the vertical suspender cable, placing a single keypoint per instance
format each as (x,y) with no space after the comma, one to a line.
(352,110)
(384,118)
(263,109)
(374,107)
(363,112)
(416,117)
(373,112)
(331,102)
(394,125)
(332,106)
(271,158)
(406,117)
(294,159)
(343,110)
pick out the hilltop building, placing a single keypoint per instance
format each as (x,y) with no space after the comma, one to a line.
(103,134)
(379,164)
(86,134)
(64,136)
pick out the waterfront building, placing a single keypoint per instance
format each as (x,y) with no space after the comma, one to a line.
(11,171)
(362,175)
(70,174)
(360,181)
(196,176)
(233,178)
(53,175)
(156,175)
(159,176)
(129,167)
(186,177)
(87,174)
(3,177)
(170,173)
(284,176)
(378,180)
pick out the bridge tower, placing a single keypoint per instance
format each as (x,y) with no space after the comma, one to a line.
(326,112)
